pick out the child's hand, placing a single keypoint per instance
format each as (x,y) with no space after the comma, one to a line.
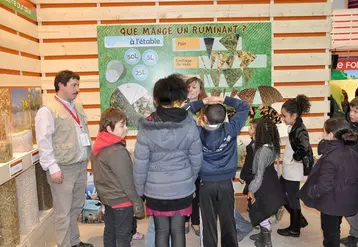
(251,197)
(213,100)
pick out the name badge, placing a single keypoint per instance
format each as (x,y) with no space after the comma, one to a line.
(85,140)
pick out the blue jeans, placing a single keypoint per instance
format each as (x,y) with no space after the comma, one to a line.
(243,227)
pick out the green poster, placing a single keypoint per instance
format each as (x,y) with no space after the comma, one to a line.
(21,6)
(226,56)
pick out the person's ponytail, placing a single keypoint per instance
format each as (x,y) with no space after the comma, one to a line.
(298,105)
(341,130)
(350,138)
(303,103)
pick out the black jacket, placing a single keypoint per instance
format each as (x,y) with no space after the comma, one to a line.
(300,143)
(246,173)
(332,186)
(269,198)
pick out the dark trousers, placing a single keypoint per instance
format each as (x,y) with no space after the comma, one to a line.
(134,226)
(331,227)
(291,190)
(118,226)
(217,200)
(195,217)
(169,228)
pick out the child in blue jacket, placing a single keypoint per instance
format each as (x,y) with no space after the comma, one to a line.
(219,139)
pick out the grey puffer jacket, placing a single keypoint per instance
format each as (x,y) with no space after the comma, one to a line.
(168,157)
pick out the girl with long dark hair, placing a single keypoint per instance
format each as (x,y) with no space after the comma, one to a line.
(297,162)
(265,193)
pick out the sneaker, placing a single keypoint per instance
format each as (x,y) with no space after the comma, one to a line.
(138,236)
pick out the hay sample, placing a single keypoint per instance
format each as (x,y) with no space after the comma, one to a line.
(247,75)
(234,92)
(270,95)
(230,61)
(22,141)
(28,207)
(5,107)
(35,99)
(9,220)
(5,151)
(143,106)
(118,100)
(114,71)
(230,42)
(247,95)
(215,76)
(213,57)
(223,57)
(252,113)
(269,112)
(232,76)
(246,57)
(201,73)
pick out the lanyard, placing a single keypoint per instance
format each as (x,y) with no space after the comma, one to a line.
(75,117)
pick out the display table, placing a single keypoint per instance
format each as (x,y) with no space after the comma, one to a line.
(26,215)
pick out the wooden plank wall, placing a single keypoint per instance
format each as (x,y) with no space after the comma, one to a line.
(345,32)
(20,63)
(301,42)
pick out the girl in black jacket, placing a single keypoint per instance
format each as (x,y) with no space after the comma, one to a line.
(332,187)
(297,162)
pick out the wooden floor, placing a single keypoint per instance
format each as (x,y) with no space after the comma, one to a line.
(311,236)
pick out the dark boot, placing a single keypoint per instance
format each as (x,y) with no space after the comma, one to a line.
(284,231)
(265,238)
(81,244)
(295,227)
(349,241)
(304,222)
(256,236)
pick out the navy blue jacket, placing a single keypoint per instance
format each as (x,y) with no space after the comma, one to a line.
(220,145)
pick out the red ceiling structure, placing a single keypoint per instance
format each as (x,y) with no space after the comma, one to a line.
(352,4)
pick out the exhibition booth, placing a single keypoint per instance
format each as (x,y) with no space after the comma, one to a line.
(264,51)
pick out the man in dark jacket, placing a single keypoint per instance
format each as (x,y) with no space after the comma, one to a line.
(352,118)
(219,167)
